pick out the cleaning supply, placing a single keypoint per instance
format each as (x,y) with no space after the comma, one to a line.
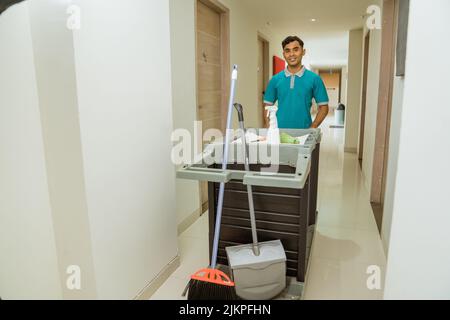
(286,138)
(259,269)
(273,134)
(210,283)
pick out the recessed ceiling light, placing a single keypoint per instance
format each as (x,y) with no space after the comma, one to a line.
(313,20)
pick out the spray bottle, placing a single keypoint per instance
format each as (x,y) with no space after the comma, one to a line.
(273,134)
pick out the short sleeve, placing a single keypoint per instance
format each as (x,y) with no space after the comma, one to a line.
(271,96)
(320,92)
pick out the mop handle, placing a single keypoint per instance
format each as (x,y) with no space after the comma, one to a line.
(249,187)
(224,167)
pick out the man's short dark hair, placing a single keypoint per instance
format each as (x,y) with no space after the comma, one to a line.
(292,39)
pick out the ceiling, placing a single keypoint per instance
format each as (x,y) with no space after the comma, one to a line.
(294,16)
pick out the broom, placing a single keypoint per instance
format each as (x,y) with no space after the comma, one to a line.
(210,283)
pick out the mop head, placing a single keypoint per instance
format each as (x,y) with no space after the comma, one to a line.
(211,284)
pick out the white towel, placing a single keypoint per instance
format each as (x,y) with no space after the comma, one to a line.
(302,139)
(250,136)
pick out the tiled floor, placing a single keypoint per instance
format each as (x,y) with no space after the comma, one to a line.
(346,241)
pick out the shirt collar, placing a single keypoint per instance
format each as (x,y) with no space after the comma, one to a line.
(298,74)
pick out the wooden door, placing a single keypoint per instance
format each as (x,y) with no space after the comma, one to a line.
(364,98)
(332,81)
(260,71)
(262,76)
(209,75)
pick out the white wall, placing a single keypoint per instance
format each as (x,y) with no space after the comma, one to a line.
(373,83)
(124,84)
(86,120)
(182,34)
(58,103)
(28,258)
(419,262)
(392,164)
(327,50)
(353,106)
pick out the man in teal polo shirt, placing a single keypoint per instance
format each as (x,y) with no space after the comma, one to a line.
(294,88)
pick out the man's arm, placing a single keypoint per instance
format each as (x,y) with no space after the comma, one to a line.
(322,100)
(270,97)
(266,118)
(321,115)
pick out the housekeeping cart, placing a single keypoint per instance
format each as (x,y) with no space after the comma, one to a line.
(285,202)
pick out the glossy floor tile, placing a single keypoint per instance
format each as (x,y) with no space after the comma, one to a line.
(347,259)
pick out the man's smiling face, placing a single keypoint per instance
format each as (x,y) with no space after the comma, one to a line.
(293,54)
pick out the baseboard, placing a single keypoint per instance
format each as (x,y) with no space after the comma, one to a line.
(187,222)
(159,280)
(351,150)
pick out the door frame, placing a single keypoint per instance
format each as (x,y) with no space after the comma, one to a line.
(386,84)
(362,121)
(224,13)
(266,67)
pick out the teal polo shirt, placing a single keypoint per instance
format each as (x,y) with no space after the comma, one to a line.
(294,93)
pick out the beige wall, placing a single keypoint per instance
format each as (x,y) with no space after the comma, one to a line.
(28,257)
(353,106)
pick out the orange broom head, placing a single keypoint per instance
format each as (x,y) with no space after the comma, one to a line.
(213,276)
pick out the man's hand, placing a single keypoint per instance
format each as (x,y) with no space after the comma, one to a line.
(321,115)
(266,117)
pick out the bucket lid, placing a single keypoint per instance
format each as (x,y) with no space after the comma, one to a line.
(242,256)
